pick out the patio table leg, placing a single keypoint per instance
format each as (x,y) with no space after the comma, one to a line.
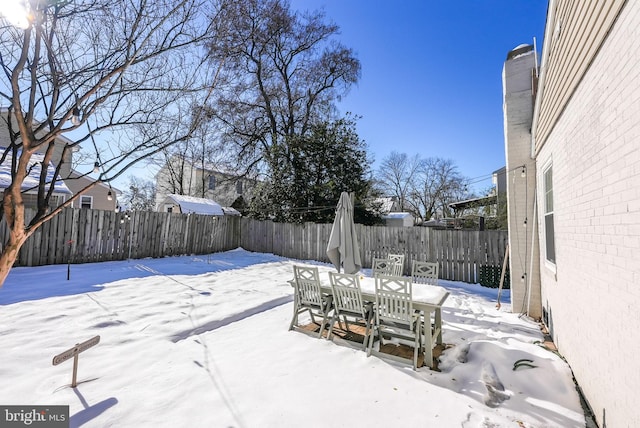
(438,324)
(294,320)
(428,339)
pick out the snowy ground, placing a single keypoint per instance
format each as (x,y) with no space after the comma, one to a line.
(203,341)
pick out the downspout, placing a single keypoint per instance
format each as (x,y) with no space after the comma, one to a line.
(533,237)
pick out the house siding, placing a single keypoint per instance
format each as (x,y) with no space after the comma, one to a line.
(75,183)
(592,294)
(195,182)
(58,147)
(572,42)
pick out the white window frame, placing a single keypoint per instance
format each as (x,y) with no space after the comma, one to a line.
(85,197)
(548,215)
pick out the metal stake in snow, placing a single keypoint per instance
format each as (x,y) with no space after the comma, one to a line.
(504,270)
(74,352)
(69,243)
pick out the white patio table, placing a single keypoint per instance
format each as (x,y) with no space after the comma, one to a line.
(425,298)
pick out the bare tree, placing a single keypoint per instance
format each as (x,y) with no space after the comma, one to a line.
(283,71)
(437,183)
(123,71)
(396,176)
(139,195)
(424,186)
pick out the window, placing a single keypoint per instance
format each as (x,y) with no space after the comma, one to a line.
(212,182)
(86,202)
(239,187)
(548,215)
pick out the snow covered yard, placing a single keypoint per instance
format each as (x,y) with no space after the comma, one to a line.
(203,341)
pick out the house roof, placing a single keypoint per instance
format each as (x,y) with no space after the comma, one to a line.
(231,211)
(31,181)
(475,202)
(75,175)
(191,204)
(400,215)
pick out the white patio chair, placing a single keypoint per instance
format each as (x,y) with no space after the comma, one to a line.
(398,259)
(347,301)
(424,273)
(395,317)
(309,297)
(383,267)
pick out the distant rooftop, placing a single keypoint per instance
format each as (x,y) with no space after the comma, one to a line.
(191,204)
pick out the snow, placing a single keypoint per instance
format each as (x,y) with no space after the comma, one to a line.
(397,215)
(31,181)
(203,341)
(191,204)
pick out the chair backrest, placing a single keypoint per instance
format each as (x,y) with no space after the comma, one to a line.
(383,267)
(347,295)
(424,272)
(307,281)
(398,259)
(393,299)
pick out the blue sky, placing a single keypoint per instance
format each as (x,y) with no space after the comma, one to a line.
(432,74)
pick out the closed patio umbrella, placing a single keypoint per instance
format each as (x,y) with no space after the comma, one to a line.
(343,249)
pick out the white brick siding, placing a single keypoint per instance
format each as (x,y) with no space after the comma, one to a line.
(593,294)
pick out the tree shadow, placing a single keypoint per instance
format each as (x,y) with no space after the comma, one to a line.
(26,283)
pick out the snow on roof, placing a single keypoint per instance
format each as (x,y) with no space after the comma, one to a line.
(191,204)
(397,215)
(31,181)
(230,211)
(520,50)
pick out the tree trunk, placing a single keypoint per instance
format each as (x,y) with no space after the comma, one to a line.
(10,252)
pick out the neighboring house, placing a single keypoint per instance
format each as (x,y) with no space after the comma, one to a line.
(61,192)
(398,219)
(190,204)
(99,197)
(475,211)
(572,140)
(499,181)
(181,176)
(29,186)
(231,211)
(386,205)
(486,206)
(59,144)
(389,209)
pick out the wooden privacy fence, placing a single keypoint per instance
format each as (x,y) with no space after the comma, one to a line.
(460,253)
(81,236)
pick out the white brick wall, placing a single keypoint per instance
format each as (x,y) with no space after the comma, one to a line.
(594,295)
